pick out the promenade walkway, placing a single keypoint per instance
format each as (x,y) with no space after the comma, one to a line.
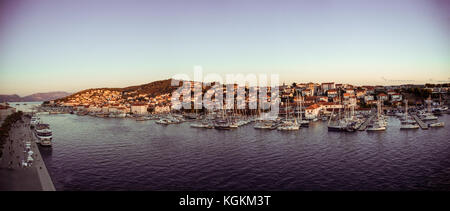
(14,176)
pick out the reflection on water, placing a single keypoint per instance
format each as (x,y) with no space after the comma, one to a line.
(123,154)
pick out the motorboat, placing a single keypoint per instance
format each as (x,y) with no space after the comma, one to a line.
(223,126)
(437,124)
(203,124)
(288,125)
(169,120)
(304,123)
(428,117)
(144,118)
(376,127)
(264,125)
(340,126)
(409,126)
(162,121)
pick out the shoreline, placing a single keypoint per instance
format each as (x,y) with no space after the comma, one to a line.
(13,176)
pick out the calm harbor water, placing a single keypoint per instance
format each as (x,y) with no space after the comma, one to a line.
(92,153)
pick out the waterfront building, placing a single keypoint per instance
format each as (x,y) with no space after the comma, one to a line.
(336,99)
(350,101)
(396,97)
(310,99)
(322,98)
(94,108)
(326,86)
(105,109)
(312,111)
(382,97)
(368,98)
(371,102)
(346,96)
(369,90)
(350,91)
(308,92)
(379,88)
(391,92)
(360,93)
(396,103)
(332,93)
(139,108)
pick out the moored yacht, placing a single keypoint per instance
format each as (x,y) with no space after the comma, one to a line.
(288,125)
(222,125)
(43,134)
(376,127)
(409,126)
(436,124)
(203,124)
(428,117)
(304,123)
(264,125)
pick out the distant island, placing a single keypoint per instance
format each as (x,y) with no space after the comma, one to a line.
(34,97)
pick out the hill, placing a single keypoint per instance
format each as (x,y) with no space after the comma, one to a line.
(150,89)
(34,97)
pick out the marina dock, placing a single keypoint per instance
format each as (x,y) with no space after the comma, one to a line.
(366,123)
(420,122)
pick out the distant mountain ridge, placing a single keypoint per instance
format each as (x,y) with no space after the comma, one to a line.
(34,97)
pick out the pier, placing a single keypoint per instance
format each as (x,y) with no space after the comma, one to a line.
(366,123)
(420,122)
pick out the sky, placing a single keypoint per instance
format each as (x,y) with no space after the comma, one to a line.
(61,45)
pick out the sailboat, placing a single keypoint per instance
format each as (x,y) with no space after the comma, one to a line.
(340,124)
(428,116)
(303,123)
(380,122)
(288,124)
(262,122)
(224,122)
(408,123)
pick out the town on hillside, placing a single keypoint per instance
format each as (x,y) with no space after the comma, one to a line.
(314,98)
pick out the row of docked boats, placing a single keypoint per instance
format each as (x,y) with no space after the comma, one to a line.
(408,122)
(378,124)
(42,131)
(171,119)
(347,122)
(222,123)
